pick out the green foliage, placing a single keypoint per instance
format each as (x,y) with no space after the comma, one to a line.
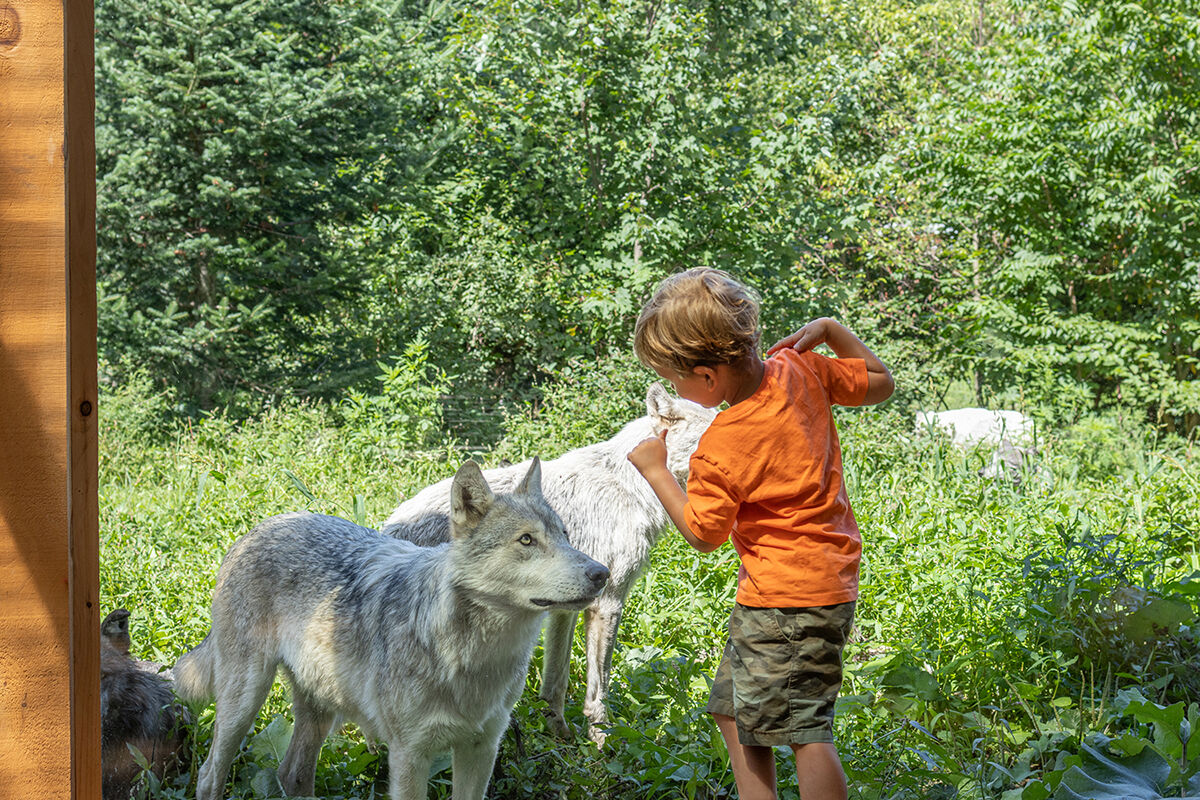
(598,147)
(233,141)
(967,676)
(1173,738)
(137,408)
(1102,603)
(587,401)
(995,192)
(1150,761)
(1064,156)
(406,413)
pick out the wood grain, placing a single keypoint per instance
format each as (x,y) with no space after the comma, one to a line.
(49,610)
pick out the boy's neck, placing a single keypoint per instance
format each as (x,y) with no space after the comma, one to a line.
(743,377)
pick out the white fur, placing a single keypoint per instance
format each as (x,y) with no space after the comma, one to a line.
(1009,433)
(611,514)
(971,426)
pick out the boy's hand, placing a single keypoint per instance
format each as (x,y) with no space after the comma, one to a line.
(805,339)
(650,458)
(650,453)
(844,344)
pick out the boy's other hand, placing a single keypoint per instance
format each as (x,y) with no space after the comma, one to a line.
(844,344)
(805,339)
(650,453)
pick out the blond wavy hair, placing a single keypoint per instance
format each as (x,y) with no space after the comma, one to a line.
(699,317)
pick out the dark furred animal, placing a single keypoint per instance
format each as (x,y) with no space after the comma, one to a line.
(137,707)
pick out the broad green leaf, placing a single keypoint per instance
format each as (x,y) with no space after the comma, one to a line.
(272,741)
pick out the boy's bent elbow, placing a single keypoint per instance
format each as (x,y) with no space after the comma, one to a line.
(695,541)
(880,386)
(702,546)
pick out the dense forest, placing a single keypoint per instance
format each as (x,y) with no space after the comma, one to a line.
(1005,192)
(345,244)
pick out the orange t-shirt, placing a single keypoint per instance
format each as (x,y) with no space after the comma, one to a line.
(768,471)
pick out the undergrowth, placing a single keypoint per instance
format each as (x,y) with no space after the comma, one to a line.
(1013,640)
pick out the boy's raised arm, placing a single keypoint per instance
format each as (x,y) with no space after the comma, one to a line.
(650,458)
(844,344)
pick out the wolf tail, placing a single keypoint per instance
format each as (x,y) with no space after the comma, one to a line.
(194,673)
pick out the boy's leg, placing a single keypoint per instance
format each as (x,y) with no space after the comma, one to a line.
(786,672)
(819,772)
(753,766)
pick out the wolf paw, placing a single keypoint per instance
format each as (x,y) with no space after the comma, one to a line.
(557,724)
(597,735)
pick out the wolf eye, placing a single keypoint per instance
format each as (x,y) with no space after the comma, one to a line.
(525,539)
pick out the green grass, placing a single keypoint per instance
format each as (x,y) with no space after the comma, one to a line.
(999,626)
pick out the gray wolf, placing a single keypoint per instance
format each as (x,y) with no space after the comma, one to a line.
(611,514)
(425,648)
(138,708)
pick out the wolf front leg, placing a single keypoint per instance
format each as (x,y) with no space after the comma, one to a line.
(408,772)
(600,621)
(556,664)
(473,760)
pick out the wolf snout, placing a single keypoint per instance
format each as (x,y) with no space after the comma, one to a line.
(597,573)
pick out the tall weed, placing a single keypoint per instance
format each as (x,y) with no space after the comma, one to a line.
(998,626)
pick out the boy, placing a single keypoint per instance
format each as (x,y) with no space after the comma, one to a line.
(768,474)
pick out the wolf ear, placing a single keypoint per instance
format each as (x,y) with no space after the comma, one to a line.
(660,405)
(532,482)
(115,628)
(470,498)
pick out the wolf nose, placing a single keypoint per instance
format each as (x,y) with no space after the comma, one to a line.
(597,574)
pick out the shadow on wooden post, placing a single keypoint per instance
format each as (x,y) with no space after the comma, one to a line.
(49,574)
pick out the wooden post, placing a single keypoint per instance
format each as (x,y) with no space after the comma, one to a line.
(49,575)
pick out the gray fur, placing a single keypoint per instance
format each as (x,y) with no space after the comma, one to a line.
(610,513)
(425,648)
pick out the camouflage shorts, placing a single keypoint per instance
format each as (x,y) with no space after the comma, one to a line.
(781,671)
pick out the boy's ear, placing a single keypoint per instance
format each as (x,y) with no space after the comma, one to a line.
(708,373)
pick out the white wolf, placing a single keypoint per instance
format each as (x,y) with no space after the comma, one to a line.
(425,648)
(970,426)
(1011,433)
(610,513)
